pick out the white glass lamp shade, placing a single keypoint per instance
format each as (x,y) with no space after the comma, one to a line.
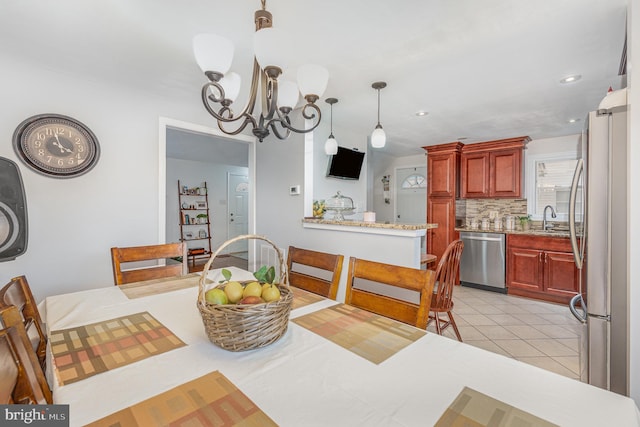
(213,52)
(231,85)
(271,48)
(331,146)
(287,94)
(378,137)
(312,79)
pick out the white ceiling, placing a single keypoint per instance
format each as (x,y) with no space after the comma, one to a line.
(482,69)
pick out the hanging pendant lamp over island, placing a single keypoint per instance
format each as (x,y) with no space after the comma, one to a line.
(214,55)
(331,146)
(378,137)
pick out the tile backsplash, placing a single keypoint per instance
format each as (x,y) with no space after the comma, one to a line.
(466,209)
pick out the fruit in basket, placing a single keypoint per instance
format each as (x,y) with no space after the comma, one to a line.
(253,289)
(233,290)
(251,299)
(216,296)
(270,292)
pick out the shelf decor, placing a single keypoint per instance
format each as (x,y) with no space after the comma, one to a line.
(193,203)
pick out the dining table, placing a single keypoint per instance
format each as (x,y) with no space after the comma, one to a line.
(138,354)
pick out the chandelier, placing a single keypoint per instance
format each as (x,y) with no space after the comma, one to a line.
(279,97)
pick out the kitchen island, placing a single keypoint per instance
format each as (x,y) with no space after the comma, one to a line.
(399,244)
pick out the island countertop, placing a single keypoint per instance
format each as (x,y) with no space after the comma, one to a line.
(382,225)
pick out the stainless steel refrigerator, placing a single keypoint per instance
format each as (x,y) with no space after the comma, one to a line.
(599,235)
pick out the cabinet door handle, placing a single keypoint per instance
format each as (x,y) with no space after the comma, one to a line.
(546,257)
(540,257)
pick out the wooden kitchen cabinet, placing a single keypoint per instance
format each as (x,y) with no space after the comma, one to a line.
(492,169)
(541,268)
(443,163)
(442,170)
(441,211)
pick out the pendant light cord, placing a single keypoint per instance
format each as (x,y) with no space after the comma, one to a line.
(378,107)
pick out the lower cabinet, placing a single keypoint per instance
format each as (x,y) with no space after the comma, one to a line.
(541,267)
(441,211)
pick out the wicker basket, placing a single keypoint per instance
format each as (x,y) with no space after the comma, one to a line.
(240,327)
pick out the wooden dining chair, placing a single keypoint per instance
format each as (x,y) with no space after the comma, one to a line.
(446,276)
(361,295)
(18,293)
(317,272)
(157,253)
(22,380)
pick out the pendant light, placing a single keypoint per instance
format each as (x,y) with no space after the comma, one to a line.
(378,137)
(331,146)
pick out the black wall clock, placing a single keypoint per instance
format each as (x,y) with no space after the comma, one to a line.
(56,145)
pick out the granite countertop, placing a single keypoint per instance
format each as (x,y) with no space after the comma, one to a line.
(371,224)
(531,232)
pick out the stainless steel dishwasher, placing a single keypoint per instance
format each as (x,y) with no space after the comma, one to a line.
(482,264)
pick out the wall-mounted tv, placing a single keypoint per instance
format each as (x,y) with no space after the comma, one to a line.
(345,164)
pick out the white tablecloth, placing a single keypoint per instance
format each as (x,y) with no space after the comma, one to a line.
(306,380)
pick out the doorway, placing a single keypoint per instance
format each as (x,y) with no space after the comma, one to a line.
(191,144)
(411,195)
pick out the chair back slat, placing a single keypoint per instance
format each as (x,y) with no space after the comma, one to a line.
(120,256)
(30,385)
(405,278)
(331,264)
(18,293)
(446,276)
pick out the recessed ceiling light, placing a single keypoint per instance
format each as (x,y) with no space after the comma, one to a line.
(573,120)
(572,78)
(421,113)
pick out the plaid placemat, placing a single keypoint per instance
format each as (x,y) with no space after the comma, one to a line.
(211,400)
(84,351)
(302,298)
(374,337)
(160,286)
(474,409)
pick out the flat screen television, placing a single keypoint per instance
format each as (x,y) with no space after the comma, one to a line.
(345,164)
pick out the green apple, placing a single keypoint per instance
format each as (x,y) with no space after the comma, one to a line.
(216,296)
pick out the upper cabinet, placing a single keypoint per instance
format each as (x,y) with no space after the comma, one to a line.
(442,169)
(492,169)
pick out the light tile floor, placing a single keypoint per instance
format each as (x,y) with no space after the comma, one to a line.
(534,332)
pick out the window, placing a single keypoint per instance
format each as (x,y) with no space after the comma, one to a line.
(549,179)
(414,181)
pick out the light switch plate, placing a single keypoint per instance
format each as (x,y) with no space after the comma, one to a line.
(294,190)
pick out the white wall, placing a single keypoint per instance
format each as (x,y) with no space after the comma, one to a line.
(74,222)
(325,188)
(191,174)
(558,144)
(634,194)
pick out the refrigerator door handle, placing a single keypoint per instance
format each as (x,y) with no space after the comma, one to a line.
(577,255)
(582,317)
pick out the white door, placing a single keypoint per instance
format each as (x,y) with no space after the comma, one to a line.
(411,195)
(238,210)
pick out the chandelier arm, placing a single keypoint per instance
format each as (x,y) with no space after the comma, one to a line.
(312,114)
(285,121)
(274,129)
(247,119)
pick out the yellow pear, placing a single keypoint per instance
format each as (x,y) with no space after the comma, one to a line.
(270,293)
(233,291)
(253,289)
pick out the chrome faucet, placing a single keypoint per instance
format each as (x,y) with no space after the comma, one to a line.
(546,226)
